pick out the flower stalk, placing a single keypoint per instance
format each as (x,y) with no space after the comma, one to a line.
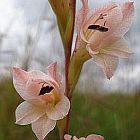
(65,13)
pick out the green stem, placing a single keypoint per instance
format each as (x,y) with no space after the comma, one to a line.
(67,42)
(74,73)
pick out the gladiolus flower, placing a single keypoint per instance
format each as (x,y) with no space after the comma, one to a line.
(89,137)
(101,33)
(45,102)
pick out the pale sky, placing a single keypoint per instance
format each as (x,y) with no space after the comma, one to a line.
(22,17)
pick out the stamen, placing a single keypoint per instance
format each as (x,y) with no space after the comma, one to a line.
(98,27)
(95,27)
(104,23)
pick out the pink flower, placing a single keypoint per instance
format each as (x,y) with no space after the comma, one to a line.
(101,32)
(45,102)
(89,137)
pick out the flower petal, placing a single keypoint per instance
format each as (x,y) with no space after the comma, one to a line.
(20,78)
(26,113)
(94,137)
(111,23)
(118,48)
(105,8)
(108,63)
(75,138)
(82,13)
(82,138)
(53,72)
(128,14)
(60,110)
(43,126)
(37,77)
(67,137)
(36,74)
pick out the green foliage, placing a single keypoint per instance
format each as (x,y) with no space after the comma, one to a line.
(114,116)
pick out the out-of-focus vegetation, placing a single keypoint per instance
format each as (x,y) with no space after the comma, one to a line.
(115,116)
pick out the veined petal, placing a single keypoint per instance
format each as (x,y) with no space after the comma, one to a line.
(36,74)
(94,137)
(117,48)
(106,8)
(108,63)
(20,78)
(43,126)
(52,70)
(26,113)
(60,110)
(128,14)
(100,10)
(111,23)
(82,13)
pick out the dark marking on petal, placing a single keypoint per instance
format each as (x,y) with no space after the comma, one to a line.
(94,27)
(45,90)
(103,29)
(98,27)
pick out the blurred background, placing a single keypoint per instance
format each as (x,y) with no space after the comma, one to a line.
(29,38)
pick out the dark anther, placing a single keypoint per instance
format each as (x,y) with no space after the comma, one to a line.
(103,29)
(98,27)
(46,89)
(94,27)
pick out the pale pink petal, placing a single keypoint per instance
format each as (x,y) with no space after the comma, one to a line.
(108,63)
(52,70)
(43,126)
(20,78)
(105,8)
(26,113)
(94,137)
(97,12)
(34,85)
(75,138)
(82,138)
(82,13)
(111,23)
(118,47)
(67,137)
(128,14)
(36,74)
(60,110)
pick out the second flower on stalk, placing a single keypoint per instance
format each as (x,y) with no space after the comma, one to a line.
(100,34)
